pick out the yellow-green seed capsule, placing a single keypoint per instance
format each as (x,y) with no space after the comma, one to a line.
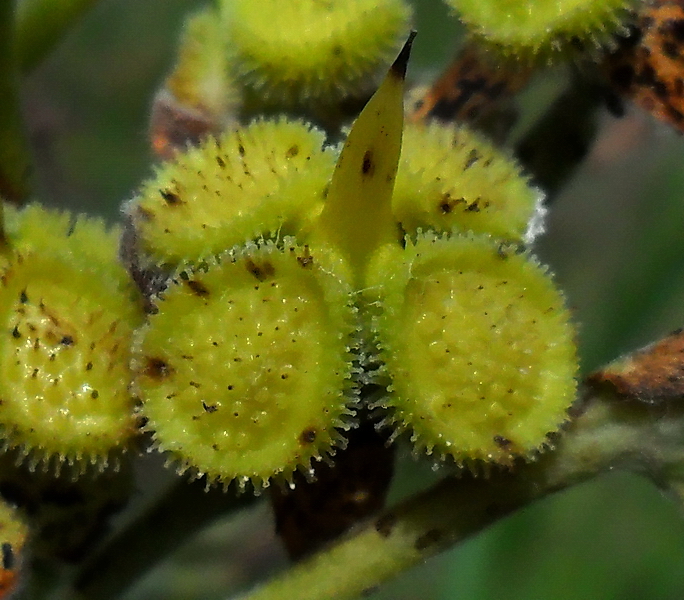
(67,312)
(245,369)
(266,179)
(478,347)
(320,52)
(543,29)
(453,179)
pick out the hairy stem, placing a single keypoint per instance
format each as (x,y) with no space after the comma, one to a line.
(607,433)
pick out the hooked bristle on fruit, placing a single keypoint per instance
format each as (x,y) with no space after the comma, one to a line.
(320,52)
(545,30)
(478,348)
(245,369)
(68,312)
(453,179)
(264,180)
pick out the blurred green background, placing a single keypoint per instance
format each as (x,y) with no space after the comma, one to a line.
(615,241)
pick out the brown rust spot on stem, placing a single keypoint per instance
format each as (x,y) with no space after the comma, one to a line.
(653,374)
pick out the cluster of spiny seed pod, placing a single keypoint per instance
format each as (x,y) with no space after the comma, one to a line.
(283,273)
(294,268)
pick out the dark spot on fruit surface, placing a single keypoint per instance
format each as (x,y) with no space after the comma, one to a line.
(473,157)
(447,203)
(67,340)
(429,538)
(198,288)
(15,332)
(385,524)
(23,298)
(306,260)
(308,436)
(171,198)
(292,151)
(262,271)
(157,368)
(144,214)
(220,162)
(210,408)
(94,394)
(502,442)
(368,165)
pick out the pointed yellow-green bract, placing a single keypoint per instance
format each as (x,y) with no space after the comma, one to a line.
(357,217)
(245,369)
(67,312)
(477,345)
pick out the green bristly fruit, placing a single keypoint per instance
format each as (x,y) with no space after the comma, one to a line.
(453,179)
(543,29)
(245,370)
(320,52)
(67,312)
(477,345)
(266,179)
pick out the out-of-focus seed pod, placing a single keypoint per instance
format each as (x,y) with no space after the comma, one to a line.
(544,30)
(320,52)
